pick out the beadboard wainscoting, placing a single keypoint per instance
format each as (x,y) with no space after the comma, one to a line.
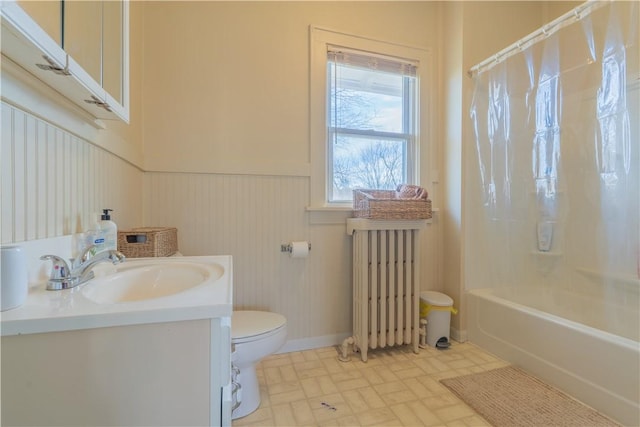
(52,181)
(249,217)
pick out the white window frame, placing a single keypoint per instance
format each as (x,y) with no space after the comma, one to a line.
(321,39)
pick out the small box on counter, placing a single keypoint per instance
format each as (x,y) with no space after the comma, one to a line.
(145,242)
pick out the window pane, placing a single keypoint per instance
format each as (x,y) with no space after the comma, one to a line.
(365,99)
(370,122)
(367,162)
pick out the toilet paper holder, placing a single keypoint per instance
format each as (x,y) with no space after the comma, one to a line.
(288,247)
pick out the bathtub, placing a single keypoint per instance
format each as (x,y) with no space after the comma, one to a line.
(560,338)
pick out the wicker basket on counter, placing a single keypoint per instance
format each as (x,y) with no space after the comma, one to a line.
(148,242)
(383,204)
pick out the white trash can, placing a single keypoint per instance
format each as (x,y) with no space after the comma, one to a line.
(437,307)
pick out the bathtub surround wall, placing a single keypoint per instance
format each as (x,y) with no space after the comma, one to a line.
(552,189)
(555,144)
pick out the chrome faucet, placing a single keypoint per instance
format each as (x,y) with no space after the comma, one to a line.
(64,277)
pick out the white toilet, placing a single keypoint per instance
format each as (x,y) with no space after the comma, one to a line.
(254,335)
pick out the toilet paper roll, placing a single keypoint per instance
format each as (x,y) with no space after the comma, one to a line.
(299,249)
(14,284)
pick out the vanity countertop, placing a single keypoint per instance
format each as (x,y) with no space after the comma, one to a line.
(71,309)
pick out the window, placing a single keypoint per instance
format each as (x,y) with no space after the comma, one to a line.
(371,136)
(367,111)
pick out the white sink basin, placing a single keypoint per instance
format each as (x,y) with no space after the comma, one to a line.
(131,283)
(139,291)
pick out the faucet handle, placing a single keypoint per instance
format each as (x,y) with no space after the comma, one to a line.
(117,257)
(60,277)
(87,253)
(60,268)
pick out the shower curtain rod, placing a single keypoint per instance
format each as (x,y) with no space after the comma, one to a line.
(543,32)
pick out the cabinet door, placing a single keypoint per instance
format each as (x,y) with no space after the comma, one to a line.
(79,47)
(83,35)
(113,52)
(47,14)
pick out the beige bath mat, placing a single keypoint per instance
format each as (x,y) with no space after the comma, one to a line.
(508,397)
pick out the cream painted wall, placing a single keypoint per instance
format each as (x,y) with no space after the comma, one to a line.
(227,89)
(227,147)
(453,76)
(489,27)
(553,9)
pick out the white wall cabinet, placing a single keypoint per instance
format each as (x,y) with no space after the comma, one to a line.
(93,72)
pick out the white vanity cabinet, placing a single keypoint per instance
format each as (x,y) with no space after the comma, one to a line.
(158,355)
(160,374)
(93,70)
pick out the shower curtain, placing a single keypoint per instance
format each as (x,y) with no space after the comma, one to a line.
(552,185)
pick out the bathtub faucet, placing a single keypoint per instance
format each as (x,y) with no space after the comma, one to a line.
(81,270)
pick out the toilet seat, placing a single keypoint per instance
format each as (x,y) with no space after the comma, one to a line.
(254,325)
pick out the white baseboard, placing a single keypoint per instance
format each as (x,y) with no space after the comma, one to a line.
(459,335)
(336,339)
(311,343)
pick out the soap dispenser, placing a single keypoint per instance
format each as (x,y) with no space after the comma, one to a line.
(94,236)
(109,230)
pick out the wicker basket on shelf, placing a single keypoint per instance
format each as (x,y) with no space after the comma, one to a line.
(148,242)
(383,204)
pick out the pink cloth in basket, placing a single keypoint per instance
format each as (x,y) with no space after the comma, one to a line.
(408,191)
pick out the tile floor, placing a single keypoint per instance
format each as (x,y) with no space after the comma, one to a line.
(395,387)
